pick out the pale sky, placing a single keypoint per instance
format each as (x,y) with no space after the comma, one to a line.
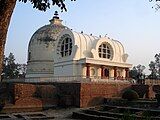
(133,22)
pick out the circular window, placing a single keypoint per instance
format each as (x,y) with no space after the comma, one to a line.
(105,51)
(65,46)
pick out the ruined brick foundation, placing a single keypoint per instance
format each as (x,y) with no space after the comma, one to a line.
(43,95)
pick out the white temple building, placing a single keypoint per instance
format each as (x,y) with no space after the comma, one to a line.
(57,51)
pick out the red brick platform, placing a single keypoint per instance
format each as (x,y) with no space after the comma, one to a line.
(42,95)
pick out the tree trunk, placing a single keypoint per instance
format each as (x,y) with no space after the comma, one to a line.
(6,10)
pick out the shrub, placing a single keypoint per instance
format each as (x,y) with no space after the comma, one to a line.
(130,95)
(156,88)
(2,103)
(128,116)
(158,98)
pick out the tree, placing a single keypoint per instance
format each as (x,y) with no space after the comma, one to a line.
(154,67)
(138,74)
(157,4)
(133,73)
(10,68)
(22,70)
(6,10)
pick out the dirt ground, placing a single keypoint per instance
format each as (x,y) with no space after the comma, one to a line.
(61,113)
(50,114)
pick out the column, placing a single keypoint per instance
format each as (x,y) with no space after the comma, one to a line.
(102,72)
(112,73)
(123,73)
(127,73)
(87,70)
(115,73)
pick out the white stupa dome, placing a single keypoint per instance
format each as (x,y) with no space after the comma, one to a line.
(41,47)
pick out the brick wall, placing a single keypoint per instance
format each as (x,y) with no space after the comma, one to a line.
(68,94)
(23,90)
(32,95)
(94,93)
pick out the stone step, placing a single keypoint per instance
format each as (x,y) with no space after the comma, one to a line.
(84,116)
(103,113)
(26,116)
(117,113)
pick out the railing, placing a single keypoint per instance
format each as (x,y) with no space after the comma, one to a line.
(69,79)
(59,79)
(14,80)
(111,79)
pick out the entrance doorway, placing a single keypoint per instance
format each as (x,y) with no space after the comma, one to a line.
(106,73)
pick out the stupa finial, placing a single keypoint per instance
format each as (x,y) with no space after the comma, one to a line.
(56,15)
(55,19)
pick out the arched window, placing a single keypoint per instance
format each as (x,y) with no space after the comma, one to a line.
(105,51)
(66,46)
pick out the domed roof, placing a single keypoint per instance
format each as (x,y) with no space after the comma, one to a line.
(41,47)
(47,33)
(43,40)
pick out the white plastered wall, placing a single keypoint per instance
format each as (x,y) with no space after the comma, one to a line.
(41,59)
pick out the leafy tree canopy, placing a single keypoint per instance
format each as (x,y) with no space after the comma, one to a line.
(137,73)
(44,4)
(157,5)
(12,70)
(154,67)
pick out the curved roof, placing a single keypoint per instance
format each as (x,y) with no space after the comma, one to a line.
(84,41)
(87,43)
(87,46)
(118,49)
